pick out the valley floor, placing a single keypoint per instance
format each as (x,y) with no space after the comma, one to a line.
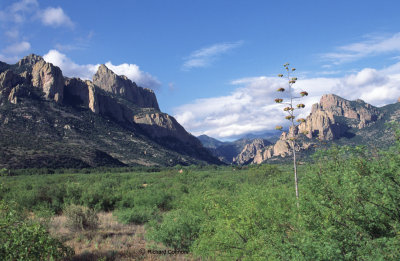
(349,209)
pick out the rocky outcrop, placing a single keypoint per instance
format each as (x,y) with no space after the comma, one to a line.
(365,114)
(7,80)
(321,124)
(50,79)
(324,121)
(85,93)
(81,92)
(13,96)
(10,86)
(260,150)
(131,104)
(329,119)
(252,152)
(29,61)
(123,87)
(92,101)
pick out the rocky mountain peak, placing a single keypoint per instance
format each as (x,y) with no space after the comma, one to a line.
(362,113)
(107,80)
(120,109)
(331,119)
(32,70)
(30,60)
(110,82)
(103,70)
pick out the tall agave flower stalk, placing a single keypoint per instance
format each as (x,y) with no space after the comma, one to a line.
(290,108)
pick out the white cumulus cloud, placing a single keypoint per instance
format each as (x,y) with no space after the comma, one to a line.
(251,108)
(69,67)
(373,86)
(244,110)
(55,16)
(86,71)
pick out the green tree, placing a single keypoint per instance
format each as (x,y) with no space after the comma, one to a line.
(290,110)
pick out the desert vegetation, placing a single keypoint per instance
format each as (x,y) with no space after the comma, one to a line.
(349,210)
(289,109)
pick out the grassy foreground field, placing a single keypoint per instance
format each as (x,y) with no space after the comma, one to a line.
(349,210)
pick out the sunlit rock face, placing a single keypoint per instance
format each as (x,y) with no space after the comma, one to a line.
(330,119)
(50,79)
(110,82)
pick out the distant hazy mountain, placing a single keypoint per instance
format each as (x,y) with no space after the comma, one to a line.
(48,120)
(271,136)
(227,151)
(209,142)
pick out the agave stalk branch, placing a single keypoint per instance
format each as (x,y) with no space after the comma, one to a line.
(292,138)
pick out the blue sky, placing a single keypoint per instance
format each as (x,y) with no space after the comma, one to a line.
(213,64)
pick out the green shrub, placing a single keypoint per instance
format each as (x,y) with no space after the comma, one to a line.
(250,225)
(179,228)
(101,194)
(135,215)
(150,197)
(81,218)
(351,206)
(22,239)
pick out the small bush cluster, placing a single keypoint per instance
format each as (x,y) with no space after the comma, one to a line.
(81,218)
(136,215)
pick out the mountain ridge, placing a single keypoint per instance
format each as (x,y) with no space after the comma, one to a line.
(332,120)
(82,123)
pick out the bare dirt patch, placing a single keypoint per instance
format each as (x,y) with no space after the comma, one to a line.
(112,241)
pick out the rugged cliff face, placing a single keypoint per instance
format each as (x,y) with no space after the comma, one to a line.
(10,83)
(251,152)
(108,81)
(121,123)
(33,71)
(79,92)
(119,98)
(333,115)
(49,79)
(363,113)
(257,152)
(110,94)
